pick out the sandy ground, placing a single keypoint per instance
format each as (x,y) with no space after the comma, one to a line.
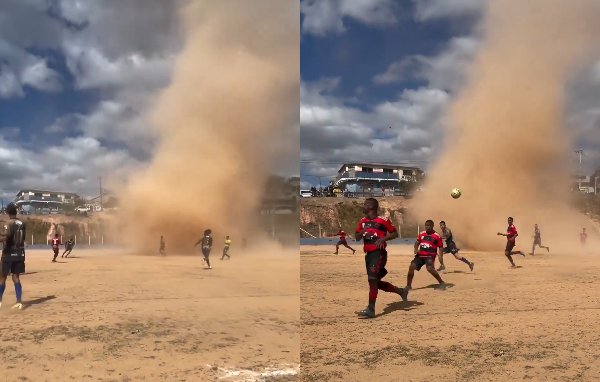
(535,323)
(110,316)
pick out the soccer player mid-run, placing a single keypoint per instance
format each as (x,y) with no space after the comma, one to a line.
(583,237)
(451,248)
(375,231)
(55,243)
(537,240)
(429,244)
(226,248)
(343,242)
(511,235)
(68,247)
(207,242)
(13,253)
(161,248)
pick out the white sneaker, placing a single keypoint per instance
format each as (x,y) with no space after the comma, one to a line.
(18,305)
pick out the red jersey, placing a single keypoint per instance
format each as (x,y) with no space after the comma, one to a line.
(378,227)
(429,244)
(342,235)
(583,236)
(511,231)
(55,242)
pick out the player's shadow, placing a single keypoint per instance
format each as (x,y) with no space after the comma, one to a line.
(73,257)
(37,301)
(399,305)
(435,286)
(456,272)
(28,273)
(60,262)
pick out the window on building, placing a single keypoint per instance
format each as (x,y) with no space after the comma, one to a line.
(367,169)
(38,194)
(388,171)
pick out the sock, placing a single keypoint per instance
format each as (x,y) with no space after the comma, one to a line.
(2,288)
(464,260)
(409,279)
(387,287)
(373,291)
(18,291)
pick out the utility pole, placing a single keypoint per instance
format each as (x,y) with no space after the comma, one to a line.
(580,152)
(101,209)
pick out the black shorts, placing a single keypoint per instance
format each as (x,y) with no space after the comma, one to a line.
(537,241)
(206,252)
(375,262)
(450,247)
(510,245)
(420,261)
(342,242)
(69,248)
(14,267)
(55,250)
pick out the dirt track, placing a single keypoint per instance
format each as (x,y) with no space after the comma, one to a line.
(535,323)
(107,316)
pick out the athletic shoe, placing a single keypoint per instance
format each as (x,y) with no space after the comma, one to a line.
(548,249)
(513,267)
(442,286)
(367,313)
(18,305)
(441,268)
(335,253)
(403,292)
(471,266)
(353,251)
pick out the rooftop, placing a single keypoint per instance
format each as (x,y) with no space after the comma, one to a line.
(45,191)
(379,165)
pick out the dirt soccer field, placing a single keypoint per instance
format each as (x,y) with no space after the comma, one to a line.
(535,323)
(109,316)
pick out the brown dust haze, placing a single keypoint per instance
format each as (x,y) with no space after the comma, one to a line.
(507,149)
(224,123)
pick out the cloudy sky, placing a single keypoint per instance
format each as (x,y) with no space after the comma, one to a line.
(368,65)
(75,80)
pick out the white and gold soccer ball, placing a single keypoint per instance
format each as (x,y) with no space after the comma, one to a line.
(455,193)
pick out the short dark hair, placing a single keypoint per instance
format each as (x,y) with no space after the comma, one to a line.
(56,235)
(11,209)
(208,232)
(373,201)
(429,221)
(510,218)
(442,222)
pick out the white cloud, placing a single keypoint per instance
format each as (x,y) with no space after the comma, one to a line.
(437,9)
(322,17)
(402,130)
(444,70)
(122,51)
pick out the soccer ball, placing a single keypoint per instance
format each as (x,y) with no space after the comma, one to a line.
(455,193)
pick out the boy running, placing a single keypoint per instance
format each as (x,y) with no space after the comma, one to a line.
(429,244)
(207,242)
(583,237)
(161,249)
(511,235)
(375,231)
(68,247)
(226,248)
(343,242)
(13,254)
(451,248)
(537,240)
(55,243)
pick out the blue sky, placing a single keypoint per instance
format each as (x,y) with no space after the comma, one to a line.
(370,64)
(73,99)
